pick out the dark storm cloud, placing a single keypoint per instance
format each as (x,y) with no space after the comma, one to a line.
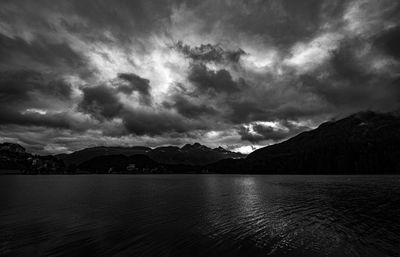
(16,86)
(258,68)
(122,16)
(26,86)
(346,98)
(87,18)
(210,53)
(57,120)
(350,85)
(16,52)
(140,122)
(346,66)
(245,111)
(101,102)
(188,108)
(135,83)
(389,42)
(281,23)
(212,82)
(23,92)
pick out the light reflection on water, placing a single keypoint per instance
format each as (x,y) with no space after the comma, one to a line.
(199,215)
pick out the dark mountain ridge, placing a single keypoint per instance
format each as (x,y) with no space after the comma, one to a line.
(86,154)
(363,143)
(121,164)
(189,154)
(13,157)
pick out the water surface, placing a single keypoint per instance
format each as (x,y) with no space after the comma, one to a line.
(199,215)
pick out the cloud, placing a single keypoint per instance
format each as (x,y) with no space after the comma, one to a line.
(189,108)
(135,83)
(238,73)
(307,56)
(143,122)
(213,82)
(20,90)
(17,53)
(33,99)
(270,131)
(101,102)
(210,53)
(389,42)
(367,17)
(245,111)
(19,85)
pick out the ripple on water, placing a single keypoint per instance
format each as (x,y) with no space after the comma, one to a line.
(200,216)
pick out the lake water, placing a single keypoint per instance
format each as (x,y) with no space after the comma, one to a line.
(199,215)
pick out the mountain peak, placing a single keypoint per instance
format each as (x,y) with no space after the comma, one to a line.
(193,146)
(357,143)
(220,149)
(11,147)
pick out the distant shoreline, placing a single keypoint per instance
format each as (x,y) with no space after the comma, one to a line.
(194,173)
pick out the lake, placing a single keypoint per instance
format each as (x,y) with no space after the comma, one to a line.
(199,215)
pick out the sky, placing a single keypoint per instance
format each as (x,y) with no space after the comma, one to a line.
(232,73)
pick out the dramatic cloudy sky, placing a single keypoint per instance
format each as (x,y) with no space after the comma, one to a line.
(235,73)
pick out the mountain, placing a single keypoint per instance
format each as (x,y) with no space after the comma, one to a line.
(121,164)
(14,159)
(86,154)
(363,143)
(10,147)
(189,154)
(136,164)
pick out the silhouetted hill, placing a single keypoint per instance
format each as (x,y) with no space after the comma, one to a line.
(195,154)
(191,154)
(10,147)
(121,164)
(86,154)
(14,158)
(363,143)
(136,164)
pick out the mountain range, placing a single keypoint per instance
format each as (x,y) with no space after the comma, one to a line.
(363,143)
(189,154)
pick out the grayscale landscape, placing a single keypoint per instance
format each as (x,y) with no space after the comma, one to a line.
(200,128)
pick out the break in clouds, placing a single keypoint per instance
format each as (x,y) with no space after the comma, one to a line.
(240,74)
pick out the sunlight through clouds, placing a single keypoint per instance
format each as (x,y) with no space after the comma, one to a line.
(238,74)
